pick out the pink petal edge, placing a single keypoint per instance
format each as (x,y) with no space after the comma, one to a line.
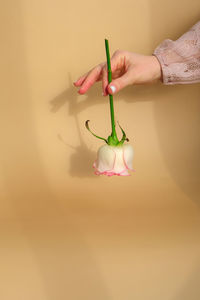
(109,172)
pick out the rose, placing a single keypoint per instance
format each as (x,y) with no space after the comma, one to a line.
(114,160)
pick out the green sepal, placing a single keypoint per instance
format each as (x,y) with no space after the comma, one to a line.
(87,126)
(124,138)
(113,140)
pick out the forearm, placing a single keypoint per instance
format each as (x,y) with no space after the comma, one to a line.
(180,59)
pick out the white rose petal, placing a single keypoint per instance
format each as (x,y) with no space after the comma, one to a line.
(114,160)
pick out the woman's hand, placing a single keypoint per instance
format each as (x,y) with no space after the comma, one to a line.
(127,68)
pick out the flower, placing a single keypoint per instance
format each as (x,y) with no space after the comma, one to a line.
(114,160)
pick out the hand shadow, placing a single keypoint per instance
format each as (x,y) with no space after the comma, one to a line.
(82,158)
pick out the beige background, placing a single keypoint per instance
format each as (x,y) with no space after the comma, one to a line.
(64,232)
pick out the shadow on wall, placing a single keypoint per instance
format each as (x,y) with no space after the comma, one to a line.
(83,157)
(62,258)
(178,123)
(177,114)
(191,289)
(178,117)
(30,195)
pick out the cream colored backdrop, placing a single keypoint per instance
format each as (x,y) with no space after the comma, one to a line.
(64,232)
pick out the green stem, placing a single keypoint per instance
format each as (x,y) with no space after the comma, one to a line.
(113,134)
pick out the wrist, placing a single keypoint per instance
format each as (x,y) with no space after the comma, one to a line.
(156,67)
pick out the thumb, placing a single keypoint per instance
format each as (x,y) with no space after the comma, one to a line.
(117,84)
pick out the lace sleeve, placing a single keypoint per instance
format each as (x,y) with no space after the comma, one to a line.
(180,59)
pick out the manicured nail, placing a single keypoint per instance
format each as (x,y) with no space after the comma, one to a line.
(113,88)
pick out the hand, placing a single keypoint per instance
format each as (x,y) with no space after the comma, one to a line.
(127,68)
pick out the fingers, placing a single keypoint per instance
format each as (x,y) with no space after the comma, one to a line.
(104,81)
(87,80)
(118,66)
(80,81)
(116,63)
(118,84)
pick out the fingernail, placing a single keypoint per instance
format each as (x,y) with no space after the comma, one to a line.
(113,88)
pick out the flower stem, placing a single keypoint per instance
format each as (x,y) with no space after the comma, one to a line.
(113,134)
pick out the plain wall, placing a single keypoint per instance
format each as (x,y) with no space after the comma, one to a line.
(64,232)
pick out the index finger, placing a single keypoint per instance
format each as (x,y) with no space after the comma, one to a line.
(94,75)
